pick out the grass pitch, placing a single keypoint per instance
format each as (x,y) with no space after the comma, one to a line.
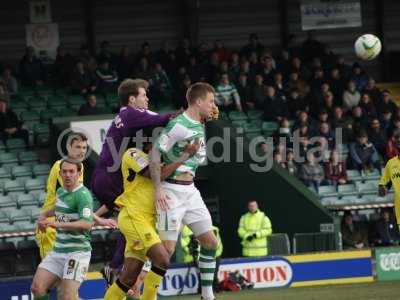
(367,291)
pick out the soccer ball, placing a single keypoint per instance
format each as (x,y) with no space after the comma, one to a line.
(367,46)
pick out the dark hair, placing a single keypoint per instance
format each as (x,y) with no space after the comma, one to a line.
(77,164)
(77,136)
(130,87)
(197,91)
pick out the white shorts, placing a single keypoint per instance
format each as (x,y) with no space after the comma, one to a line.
(187,207)
(71,266)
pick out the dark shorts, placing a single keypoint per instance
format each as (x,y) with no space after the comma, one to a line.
(106,186)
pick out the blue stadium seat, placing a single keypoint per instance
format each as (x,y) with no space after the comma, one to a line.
(24,200)
(21,171)
(354,175)
(368,188)
(5,173)
(8,159)
(373,175)
(28,158)
(7,202)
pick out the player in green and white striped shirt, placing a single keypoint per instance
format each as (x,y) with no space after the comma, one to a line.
(70,257)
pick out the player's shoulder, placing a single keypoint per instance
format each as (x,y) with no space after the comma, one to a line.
(393,161)
(83,191)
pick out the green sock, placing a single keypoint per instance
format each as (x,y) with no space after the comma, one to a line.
(207,269)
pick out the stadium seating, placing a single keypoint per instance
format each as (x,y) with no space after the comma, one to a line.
(314,242)
(35,184)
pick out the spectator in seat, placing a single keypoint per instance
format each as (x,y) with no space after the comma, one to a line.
(367,106)
(161,84)
(258,92)
(124,65)
(388,122)
(234,66)
(254,45)
(391,149)
(343,67)
(386,230)
(303,119)
(10,125)
(275,108)
(328,104)
(340,121)
(63,67)
(325,131)
(245,93)
(31,69)
(90,107)
(296,103)
(193,69)
(227,97)
(385,103)
(108,78)
(351,97)
(377,136)
(279,160)
(311,172)
(335,170)
(267,70)
(254,228)
(279,85)
(373,91)
(359,76)
(105,53)
(10,82)
(352,236)
(291,165)
(360,121)
(223,53)
(363,155)
(143,70)
(83,81)
(337,85)
(180,98)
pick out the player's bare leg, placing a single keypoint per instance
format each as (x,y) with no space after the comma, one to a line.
(69,289)
(42,282)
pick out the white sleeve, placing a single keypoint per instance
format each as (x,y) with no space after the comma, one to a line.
(169,138)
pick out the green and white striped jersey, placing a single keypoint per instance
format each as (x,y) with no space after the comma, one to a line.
(175,136)
(70,207)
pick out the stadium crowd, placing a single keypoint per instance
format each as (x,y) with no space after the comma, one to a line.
(306,89)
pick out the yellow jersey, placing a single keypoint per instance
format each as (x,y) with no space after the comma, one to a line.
(138,195)
(53,182)
(391,174)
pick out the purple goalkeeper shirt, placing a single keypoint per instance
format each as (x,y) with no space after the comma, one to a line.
(126,124)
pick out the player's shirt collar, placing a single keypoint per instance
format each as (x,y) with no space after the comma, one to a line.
(190,119)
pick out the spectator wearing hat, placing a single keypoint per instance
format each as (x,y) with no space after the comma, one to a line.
(363,155)
(10,125)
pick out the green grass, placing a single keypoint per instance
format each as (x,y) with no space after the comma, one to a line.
(367,291)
